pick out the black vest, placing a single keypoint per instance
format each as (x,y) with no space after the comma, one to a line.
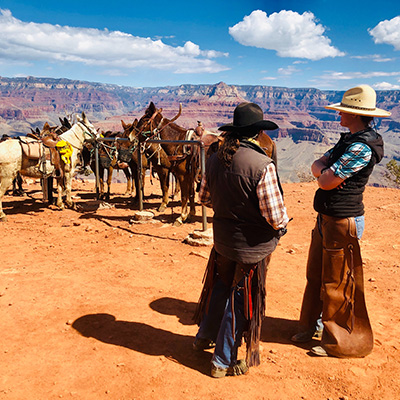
(348,201)
(241,233)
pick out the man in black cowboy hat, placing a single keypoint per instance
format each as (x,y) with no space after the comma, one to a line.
(242,186)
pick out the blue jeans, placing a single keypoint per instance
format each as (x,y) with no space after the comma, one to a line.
(360,225)
(218,323)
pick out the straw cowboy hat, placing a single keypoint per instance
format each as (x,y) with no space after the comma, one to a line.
(360,100)
(248,117)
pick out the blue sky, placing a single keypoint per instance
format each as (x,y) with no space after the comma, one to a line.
(322,44)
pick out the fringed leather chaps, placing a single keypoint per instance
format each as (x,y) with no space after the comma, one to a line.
(254,288)
(334,271)
(312,304)
(258,297)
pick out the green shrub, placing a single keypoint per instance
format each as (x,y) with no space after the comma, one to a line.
(393,172)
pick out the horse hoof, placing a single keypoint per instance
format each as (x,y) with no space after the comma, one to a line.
(3,219)
(178,222)
(162,208)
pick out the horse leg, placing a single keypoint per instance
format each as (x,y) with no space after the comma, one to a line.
(109,179)
(177,187)
(101,181)
(17,189)
(129,185)
(60,189)
(6,182)
(68,189)
(50,183)
(163,176)
(184,185)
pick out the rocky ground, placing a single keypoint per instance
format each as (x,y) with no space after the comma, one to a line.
(94,305)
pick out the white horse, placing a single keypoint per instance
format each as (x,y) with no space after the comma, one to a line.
(13,160)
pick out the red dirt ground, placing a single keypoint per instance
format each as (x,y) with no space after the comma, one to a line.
(93,306)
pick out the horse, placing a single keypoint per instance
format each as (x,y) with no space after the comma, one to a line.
(152,156)
(17,189)
(127,156)
(15,157)
(181,160)
(107,161)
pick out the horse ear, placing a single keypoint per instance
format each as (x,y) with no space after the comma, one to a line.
(46,126)
(152,108)
(84,117)
(123,124)
(67,124)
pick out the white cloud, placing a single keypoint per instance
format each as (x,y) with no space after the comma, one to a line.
(289,33)
(386,86)
(357,75)
(373,57)
(290,70)
(22,42)
(387,32)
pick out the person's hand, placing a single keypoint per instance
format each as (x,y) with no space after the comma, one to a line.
(341,185)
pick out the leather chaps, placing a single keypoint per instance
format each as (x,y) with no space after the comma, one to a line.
(335,286)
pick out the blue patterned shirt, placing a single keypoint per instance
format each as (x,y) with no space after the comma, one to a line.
(355,158)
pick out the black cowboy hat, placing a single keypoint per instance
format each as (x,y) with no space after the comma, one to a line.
(248,117)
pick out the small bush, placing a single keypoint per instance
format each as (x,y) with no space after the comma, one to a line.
(393,172)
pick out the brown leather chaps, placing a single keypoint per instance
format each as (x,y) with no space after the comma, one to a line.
(335,286)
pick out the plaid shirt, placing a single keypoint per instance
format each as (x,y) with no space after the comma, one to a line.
(269,196)
(356,157)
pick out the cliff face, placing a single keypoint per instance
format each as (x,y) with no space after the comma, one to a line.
(30,102)
(298,112)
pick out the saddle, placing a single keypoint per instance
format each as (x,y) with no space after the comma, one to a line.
(31,148)
(186,149)
(50,148)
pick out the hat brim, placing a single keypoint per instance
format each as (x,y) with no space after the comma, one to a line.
(260,125)
(377,112)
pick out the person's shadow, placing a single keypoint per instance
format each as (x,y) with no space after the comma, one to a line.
(153,341)
(184,310)
(143,338)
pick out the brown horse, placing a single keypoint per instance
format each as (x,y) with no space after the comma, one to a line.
(152,156)
(181,160)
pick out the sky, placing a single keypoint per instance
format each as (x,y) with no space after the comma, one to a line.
(328,45)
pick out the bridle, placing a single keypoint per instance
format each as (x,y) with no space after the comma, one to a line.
(86,131)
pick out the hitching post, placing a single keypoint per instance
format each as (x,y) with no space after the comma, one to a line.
(96,157)
(139,189)
(203,171)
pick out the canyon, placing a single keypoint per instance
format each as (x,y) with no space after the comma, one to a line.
(306,128)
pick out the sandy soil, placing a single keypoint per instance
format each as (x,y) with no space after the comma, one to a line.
(93,306)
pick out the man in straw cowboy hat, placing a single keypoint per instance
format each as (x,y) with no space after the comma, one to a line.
(335,283)
(242,185)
